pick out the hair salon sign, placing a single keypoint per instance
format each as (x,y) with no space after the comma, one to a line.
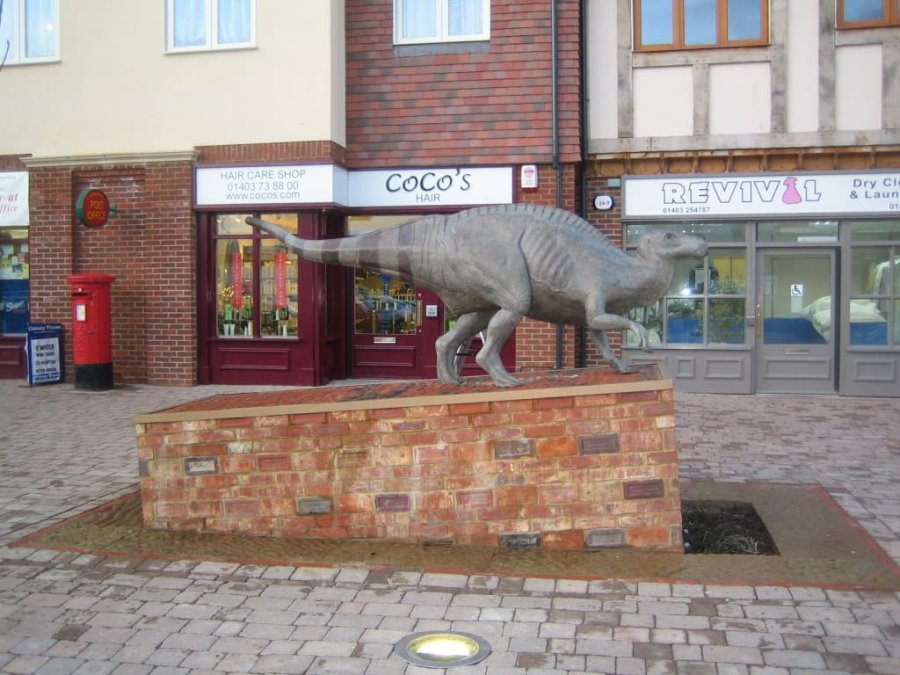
(762,195)
(329,184)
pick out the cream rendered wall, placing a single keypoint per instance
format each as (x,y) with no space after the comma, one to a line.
(115,90)
(740,99)
(602,72)
(663,102)
(802,56)
(858,87)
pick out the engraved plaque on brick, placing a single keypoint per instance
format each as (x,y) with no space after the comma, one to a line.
(529,540)
(522,447)
(474,499)
(201,466)
(392,503)
(311,506)
(598,445)
(604,539)
(644,489)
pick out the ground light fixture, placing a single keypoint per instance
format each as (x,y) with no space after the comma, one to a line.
(440,649)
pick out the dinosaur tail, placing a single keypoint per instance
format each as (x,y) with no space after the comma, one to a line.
(379,251)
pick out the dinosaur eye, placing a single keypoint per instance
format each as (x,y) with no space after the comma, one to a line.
(669,235)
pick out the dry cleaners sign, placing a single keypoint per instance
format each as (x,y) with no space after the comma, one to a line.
(329,184)
(782,195)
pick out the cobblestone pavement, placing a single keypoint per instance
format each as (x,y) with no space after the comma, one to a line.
(62,452)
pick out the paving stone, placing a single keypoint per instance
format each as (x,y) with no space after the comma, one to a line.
(282,664)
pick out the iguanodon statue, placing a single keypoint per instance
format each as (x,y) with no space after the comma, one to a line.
(494,265)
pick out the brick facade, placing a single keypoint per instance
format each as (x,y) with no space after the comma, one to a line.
(149,245)
(579,459)
(467,103)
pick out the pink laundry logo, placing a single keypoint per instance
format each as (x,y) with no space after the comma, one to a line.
(791,194)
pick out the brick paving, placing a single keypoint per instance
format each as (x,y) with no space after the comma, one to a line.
(62,452)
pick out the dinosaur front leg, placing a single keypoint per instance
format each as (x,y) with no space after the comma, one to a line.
(606,351)
(500,327)
(448,345)
(599,321)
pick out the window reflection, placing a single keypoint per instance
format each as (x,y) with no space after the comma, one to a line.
(14,275)
(383,304)
(706,302)
(874,287)
(684,321)
(278,311)
(257,279)
(744,19)
(699,22)
(657,22)
(234,287)
(863,10)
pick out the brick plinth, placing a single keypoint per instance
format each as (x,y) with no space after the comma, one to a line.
(573,459)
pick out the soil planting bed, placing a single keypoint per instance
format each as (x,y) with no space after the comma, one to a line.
(725,528)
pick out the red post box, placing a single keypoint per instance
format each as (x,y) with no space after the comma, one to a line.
(92,330)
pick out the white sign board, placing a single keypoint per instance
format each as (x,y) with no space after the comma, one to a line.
(279,184)
(782,195)
(13,198)
(328,184)
(449,186)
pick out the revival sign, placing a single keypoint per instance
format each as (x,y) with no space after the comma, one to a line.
(782,195)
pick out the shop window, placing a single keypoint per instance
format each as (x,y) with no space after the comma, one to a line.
(868,13)
(257,280)
(422,21)
(194,25)
(29,31)
(707,301)
(663,25)
(874,306)
(799,231)
(14,272)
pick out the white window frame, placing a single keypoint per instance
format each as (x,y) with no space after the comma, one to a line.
(13,14)
(443,25)
(212,43)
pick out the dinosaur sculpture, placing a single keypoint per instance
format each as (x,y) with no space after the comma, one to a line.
(494,265)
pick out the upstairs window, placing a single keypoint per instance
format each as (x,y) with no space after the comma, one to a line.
(29,31)
(196,25)
(419,21)
(868,13)
(661,25)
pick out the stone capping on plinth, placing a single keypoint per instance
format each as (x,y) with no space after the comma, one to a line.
(493,395)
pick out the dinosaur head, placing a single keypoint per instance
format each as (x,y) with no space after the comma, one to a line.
(670,246)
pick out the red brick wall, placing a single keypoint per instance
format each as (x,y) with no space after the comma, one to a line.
(461,107)
(591,459)
(149,245)
(271,153)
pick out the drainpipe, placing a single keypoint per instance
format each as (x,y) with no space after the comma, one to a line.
(554,82)
(581,356)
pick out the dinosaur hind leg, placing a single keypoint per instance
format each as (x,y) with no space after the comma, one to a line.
(500,327)
(449,344)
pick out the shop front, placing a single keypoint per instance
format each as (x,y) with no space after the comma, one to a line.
(800,291)
(14,273)
(269,317)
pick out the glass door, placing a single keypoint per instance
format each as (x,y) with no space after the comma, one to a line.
(797,322)
(395,325)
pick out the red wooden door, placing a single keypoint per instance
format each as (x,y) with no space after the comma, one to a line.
(394,328)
